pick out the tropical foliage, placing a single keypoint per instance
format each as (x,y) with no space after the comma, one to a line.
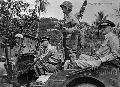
(40,7)
(100,17)
(11,22)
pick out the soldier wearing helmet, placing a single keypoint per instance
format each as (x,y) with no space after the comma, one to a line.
(66,5)
(18,38)
(18,48)
(71,23)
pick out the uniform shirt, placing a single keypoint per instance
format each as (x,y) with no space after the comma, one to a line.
(72,23)
(51,54)
(112,42)
(70,20)
(16,49)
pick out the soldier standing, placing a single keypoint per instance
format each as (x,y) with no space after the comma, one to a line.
(71,23)
(18,48)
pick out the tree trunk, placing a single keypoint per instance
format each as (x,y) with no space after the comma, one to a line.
(37,34)
(83,37)
(0,49)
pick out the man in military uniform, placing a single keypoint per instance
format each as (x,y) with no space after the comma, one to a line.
(68,63)
(71,25)
(18,48)
(49,55)
(16,51)
(108,51)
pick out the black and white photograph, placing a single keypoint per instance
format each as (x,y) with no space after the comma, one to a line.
(59,43)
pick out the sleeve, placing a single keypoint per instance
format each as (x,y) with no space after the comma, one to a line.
(75,22)
(70,30)
(46,55)
(74,19)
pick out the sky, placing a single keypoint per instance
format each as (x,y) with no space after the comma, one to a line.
(54,10)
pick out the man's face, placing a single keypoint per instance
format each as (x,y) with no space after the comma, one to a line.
(17,39)
(45,43)
(64,10)
(106,29)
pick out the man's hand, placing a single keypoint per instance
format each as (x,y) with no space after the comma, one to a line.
(68,30)
(35,59)
(97,56)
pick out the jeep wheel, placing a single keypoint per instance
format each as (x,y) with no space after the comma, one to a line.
(85,85)
(85,82)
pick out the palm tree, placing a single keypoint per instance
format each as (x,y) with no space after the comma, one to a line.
(117,12)
(40,6)
(117,15)
(101,17)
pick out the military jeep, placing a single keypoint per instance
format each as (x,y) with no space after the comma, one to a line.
(106,75)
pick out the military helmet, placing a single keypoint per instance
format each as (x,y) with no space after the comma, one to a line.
(67,4)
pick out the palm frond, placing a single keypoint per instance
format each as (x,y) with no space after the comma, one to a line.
(100,17)
(82,9)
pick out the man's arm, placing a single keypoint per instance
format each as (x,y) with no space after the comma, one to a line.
(46,56)
(74,22)
(102,46)
(70,30)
